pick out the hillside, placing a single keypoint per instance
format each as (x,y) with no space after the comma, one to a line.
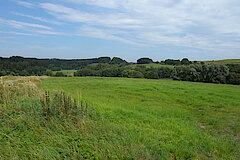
(225,61)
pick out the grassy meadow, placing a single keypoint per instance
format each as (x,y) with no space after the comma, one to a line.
(154,65)
(66,72)
(158,119)
(130,119)
(225,61)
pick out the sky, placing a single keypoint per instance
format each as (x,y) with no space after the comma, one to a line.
(130,29)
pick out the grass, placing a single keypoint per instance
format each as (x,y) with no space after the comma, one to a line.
(155,119)
(226,61)
(154,65)
(118,118)
(68,72)
(38,126)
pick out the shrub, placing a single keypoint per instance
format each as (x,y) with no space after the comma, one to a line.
(86,72)
(132,74)
(233,78)
(151,75)
(60,74)
(164,72)
(212,73)
(49,73)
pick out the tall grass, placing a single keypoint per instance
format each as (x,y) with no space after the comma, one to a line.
(63,106)
(23,86)
(41,125)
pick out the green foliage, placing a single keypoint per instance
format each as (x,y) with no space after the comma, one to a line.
(59,74)
(132,74)
(151,74)
(185,61)
(86,72)
(164,72)
(233,78)
(104,60)
(211,73)
(17,65)
(104,70)
(144,61)
(117,60)
(49,73)
(172,62)
(154,65)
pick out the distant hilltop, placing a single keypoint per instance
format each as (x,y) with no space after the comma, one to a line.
(224,61)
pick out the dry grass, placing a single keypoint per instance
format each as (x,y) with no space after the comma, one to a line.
(10,87)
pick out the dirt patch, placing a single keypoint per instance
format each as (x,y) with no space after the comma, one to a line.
(202,127)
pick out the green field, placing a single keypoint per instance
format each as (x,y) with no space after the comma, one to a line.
(118,118)
(71,72)
(225,61)
(154,65)
(157,119)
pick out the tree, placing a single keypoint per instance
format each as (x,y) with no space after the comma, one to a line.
(117,60)
(132,73)
(151,75)
(144,61)
(104,60)
(233,78)
(49,72)
(211,73)
(172,62)
(164,72)
(185,61)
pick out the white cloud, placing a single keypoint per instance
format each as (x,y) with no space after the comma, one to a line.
(44,32)
(25,4)
(205,24)
(38,18)
(17,33)
(19,24)
(104,34)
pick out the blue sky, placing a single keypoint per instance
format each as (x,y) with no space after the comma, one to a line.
(198,30)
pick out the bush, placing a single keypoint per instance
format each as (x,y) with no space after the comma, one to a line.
(112,72)
(212,73)
(49,73)
(164,72)
(151,75)
(233,78)
(60,74)
(132,74)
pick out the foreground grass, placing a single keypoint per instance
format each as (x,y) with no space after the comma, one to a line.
(151,119)
(38,126)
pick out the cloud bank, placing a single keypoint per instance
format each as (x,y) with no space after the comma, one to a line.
(212,25)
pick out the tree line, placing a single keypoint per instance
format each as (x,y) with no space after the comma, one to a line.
(184,69)
(20,66)
(195,72)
